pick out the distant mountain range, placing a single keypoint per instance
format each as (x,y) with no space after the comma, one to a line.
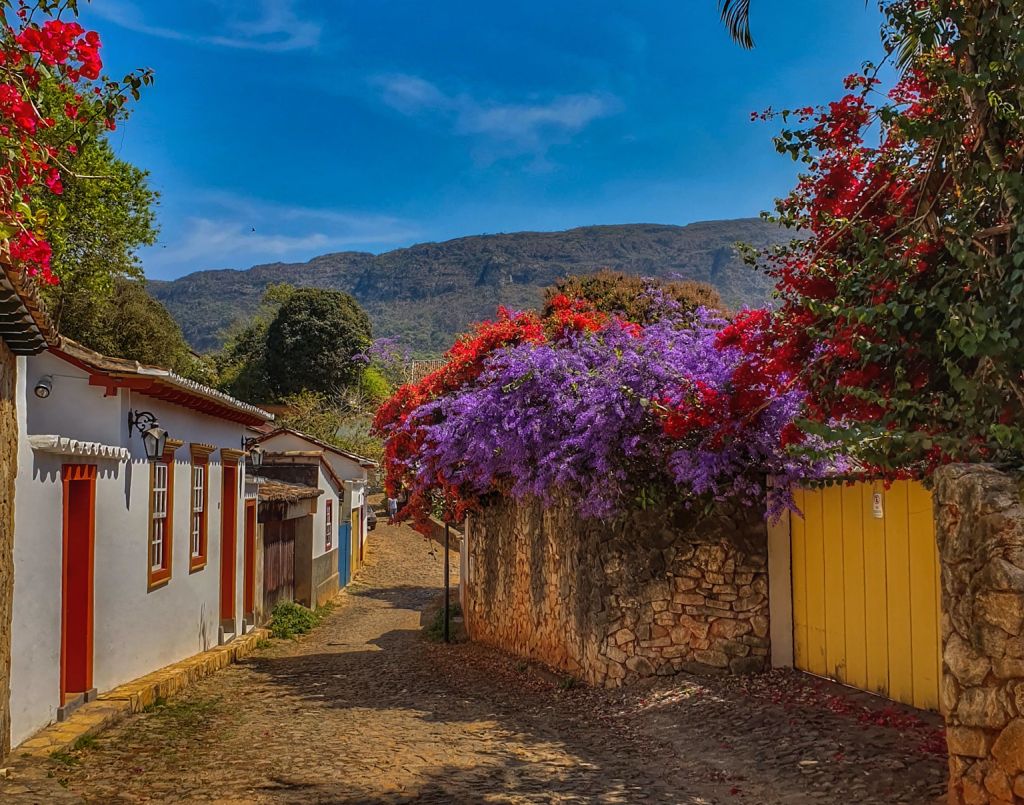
(426,294)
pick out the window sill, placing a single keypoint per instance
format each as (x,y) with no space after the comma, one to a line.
(157,581)
(195,565)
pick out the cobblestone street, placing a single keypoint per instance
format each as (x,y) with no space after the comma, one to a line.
(365,710)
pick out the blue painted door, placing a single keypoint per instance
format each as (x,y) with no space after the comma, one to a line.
(344,553)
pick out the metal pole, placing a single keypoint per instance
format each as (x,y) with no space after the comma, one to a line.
(447,573)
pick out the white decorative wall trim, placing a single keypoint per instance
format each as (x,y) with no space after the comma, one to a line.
(63,446)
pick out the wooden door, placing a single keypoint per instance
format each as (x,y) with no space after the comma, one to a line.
(866,589)
(249,548)
(228,541)
(79,543)
(278,563)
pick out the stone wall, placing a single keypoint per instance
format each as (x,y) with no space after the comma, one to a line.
(8,470)
(980,531)
(613,602)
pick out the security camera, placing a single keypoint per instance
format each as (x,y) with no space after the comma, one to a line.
(44,386)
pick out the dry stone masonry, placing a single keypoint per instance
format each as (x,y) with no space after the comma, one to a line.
(980,531)
(612,602)
(8,469)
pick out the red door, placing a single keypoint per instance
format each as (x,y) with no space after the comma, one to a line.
(249,582)
(79,539)
(228,541)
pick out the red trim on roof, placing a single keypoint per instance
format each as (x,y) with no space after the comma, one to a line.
(161,389)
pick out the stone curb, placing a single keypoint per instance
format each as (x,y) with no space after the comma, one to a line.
(134,696)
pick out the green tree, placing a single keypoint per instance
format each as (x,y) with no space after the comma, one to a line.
(906,43)
(95,227)
(629,296)
(345,422)
(314,342)
(242,362)
(129,323)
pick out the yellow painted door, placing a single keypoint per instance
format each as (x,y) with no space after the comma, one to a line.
(866,589)
(357,538)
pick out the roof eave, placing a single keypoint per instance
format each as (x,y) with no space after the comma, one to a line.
(24,325)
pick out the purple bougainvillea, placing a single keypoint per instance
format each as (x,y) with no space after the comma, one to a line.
(616,418)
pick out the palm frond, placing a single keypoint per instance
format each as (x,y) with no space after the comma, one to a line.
(736,16)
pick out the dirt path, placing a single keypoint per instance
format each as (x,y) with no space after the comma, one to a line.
(364,710)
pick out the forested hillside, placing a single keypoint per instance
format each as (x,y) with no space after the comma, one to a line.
(426,294)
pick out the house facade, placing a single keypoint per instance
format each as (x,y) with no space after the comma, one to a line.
(286,517)
(122,564)
(339,530)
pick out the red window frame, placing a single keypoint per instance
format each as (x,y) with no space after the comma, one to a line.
(329,535)
(197,553)
(160,542)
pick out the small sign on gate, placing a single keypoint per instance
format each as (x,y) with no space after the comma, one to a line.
(876,505)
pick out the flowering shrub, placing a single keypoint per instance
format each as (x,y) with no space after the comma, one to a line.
(901,310)
(588,405)
(52,98)
(404,431)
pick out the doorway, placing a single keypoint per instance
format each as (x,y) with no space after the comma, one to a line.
(866,589)
(249,549)
(228,546)
(79,547)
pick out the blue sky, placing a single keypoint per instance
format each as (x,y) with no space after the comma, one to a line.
(329,126)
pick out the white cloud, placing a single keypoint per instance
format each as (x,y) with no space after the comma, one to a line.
(210,241)
(275,27)
(237,232)
(512,129)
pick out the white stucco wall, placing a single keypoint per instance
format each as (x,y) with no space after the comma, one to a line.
(330,493)
(344,468)
(36,615)
(136,630)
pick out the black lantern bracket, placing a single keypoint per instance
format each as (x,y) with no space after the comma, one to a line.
(141,421)
(154,438)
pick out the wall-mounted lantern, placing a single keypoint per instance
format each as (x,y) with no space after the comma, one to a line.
(255,452)
(154,438)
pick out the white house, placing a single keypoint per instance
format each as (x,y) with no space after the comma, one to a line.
(340,517)
(122,563)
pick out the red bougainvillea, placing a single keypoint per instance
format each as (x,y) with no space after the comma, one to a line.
(899,309)
(43,57)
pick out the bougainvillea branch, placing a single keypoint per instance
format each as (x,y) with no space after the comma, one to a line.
(900,309)
(53,99)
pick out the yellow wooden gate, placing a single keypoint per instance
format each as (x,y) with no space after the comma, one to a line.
(357,540)
(866,589)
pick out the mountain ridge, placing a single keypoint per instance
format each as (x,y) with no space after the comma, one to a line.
(426,293)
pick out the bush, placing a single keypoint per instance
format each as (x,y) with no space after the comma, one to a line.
(290,619)
(636,299)
(434,630)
